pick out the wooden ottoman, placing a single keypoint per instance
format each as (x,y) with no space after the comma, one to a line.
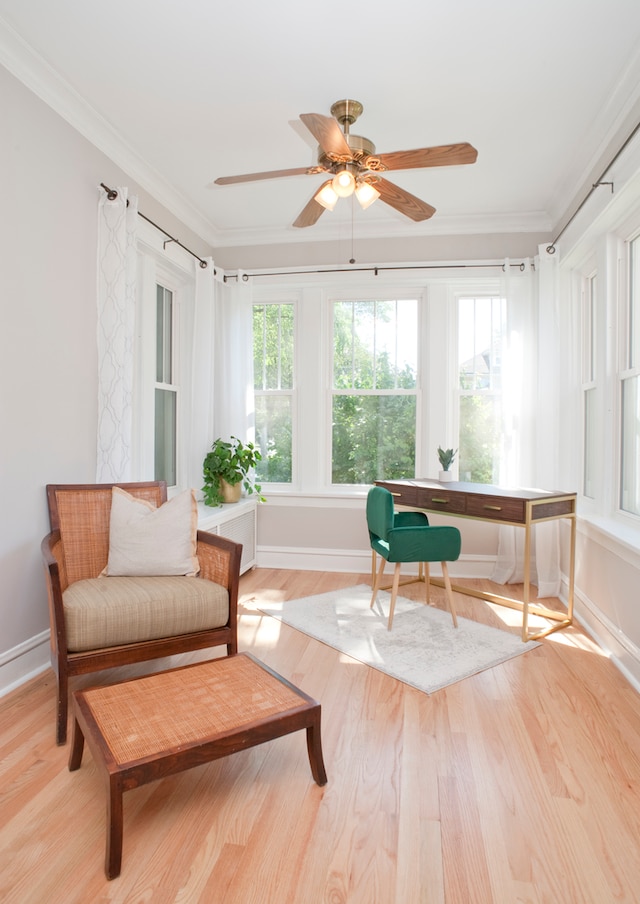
(145,728)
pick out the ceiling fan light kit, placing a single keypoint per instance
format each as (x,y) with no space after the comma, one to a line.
(326,196)
(366,194)
(343,183)
(353,166)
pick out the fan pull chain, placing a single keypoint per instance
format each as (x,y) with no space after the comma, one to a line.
(352,259)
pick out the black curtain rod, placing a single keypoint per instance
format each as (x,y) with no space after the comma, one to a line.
(551,249)
(112,194)
(376,270)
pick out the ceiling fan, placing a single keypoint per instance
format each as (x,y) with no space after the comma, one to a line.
(355,168)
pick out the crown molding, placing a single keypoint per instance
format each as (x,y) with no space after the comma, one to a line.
(327,231)
(42,79)
(615,118)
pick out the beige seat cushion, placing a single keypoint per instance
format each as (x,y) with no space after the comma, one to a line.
(108,611)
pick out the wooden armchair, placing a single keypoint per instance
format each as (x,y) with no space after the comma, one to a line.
(125,620)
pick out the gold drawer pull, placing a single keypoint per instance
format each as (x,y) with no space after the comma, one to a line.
(494,508)
(440,501)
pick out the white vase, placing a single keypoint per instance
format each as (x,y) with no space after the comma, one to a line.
(445,476)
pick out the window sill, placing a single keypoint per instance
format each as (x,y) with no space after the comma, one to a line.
(352,497)
(621,539)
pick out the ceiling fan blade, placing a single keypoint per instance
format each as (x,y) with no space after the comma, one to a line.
(443,155)
(403,201)
(327,133)
(271,174)
(309,214)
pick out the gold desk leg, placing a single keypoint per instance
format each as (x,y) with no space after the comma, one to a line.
(527,575)
(572,568)
(560,618)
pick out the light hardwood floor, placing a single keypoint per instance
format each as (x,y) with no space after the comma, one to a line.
(520,784)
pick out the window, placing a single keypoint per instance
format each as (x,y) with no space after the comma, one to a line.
(590,428)
(374,390)
(273,347)
(630,390)
(481,333)
(165,408)
(166,392)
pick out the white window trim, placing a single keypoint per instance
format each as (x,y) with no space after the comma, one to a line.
(292,299)
(437,414)
(173,268)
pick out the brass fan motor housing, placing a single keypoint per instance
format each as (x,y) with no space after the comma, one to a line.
(360,147)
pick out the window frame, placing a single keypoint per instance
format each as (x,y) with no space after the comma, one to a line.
(590,385)
(628,368)
(385,296)
(290,393)
(173,269)
(436,419)
(607,253)
(496,395)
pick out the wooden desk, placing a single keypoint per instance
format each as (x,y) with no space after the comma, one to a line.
(518,507)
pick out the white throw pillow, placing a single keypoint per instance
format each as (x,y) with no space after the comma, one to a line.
(145,540)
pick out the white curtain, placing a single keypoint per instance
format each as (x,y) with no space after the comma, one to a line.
(233,398)
(116,290)
(202,371)
(521,466)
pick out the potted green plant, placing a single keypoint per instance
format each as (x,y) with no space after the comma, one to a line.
(227,469)
(446,458)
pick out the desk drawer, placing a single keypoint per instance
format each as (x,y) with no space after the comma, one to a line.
(437,500)
(402,495)
(498,508)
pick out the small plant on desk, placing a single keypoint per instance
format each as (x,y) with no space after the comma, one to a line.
(446,458)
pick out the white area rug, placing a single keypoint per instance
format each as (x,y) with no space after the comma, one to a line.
(422,649)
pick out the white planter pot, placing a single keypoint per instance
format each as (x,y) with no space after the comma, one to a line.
(445,476)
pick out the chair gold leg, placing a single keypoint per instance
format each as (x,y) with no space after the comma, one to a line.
(394,593)
(427,581)
(447,584)
(377,581)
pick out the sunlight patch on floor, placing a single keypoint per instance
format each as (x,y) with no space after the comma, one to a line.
(513,617)
(571,638)
(263,629)
(564,636)
(249,601)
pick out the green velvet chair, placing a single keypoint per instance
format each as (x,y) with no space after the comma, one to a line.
(408,537)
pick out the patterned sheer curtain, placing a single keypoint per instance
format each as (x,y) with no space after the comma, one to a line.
(525,460)
(202,370)
(234,413)
(117,224)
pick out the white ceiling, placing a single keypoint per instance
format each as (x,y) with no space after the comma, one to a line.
(196,90)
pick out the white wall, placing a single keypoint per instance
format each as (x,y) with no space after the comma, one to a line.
(48,364)
(48,349)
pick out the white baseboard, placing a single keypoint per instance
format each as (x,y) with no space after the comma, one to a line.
(624,654)
(357,561)
(24,662)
